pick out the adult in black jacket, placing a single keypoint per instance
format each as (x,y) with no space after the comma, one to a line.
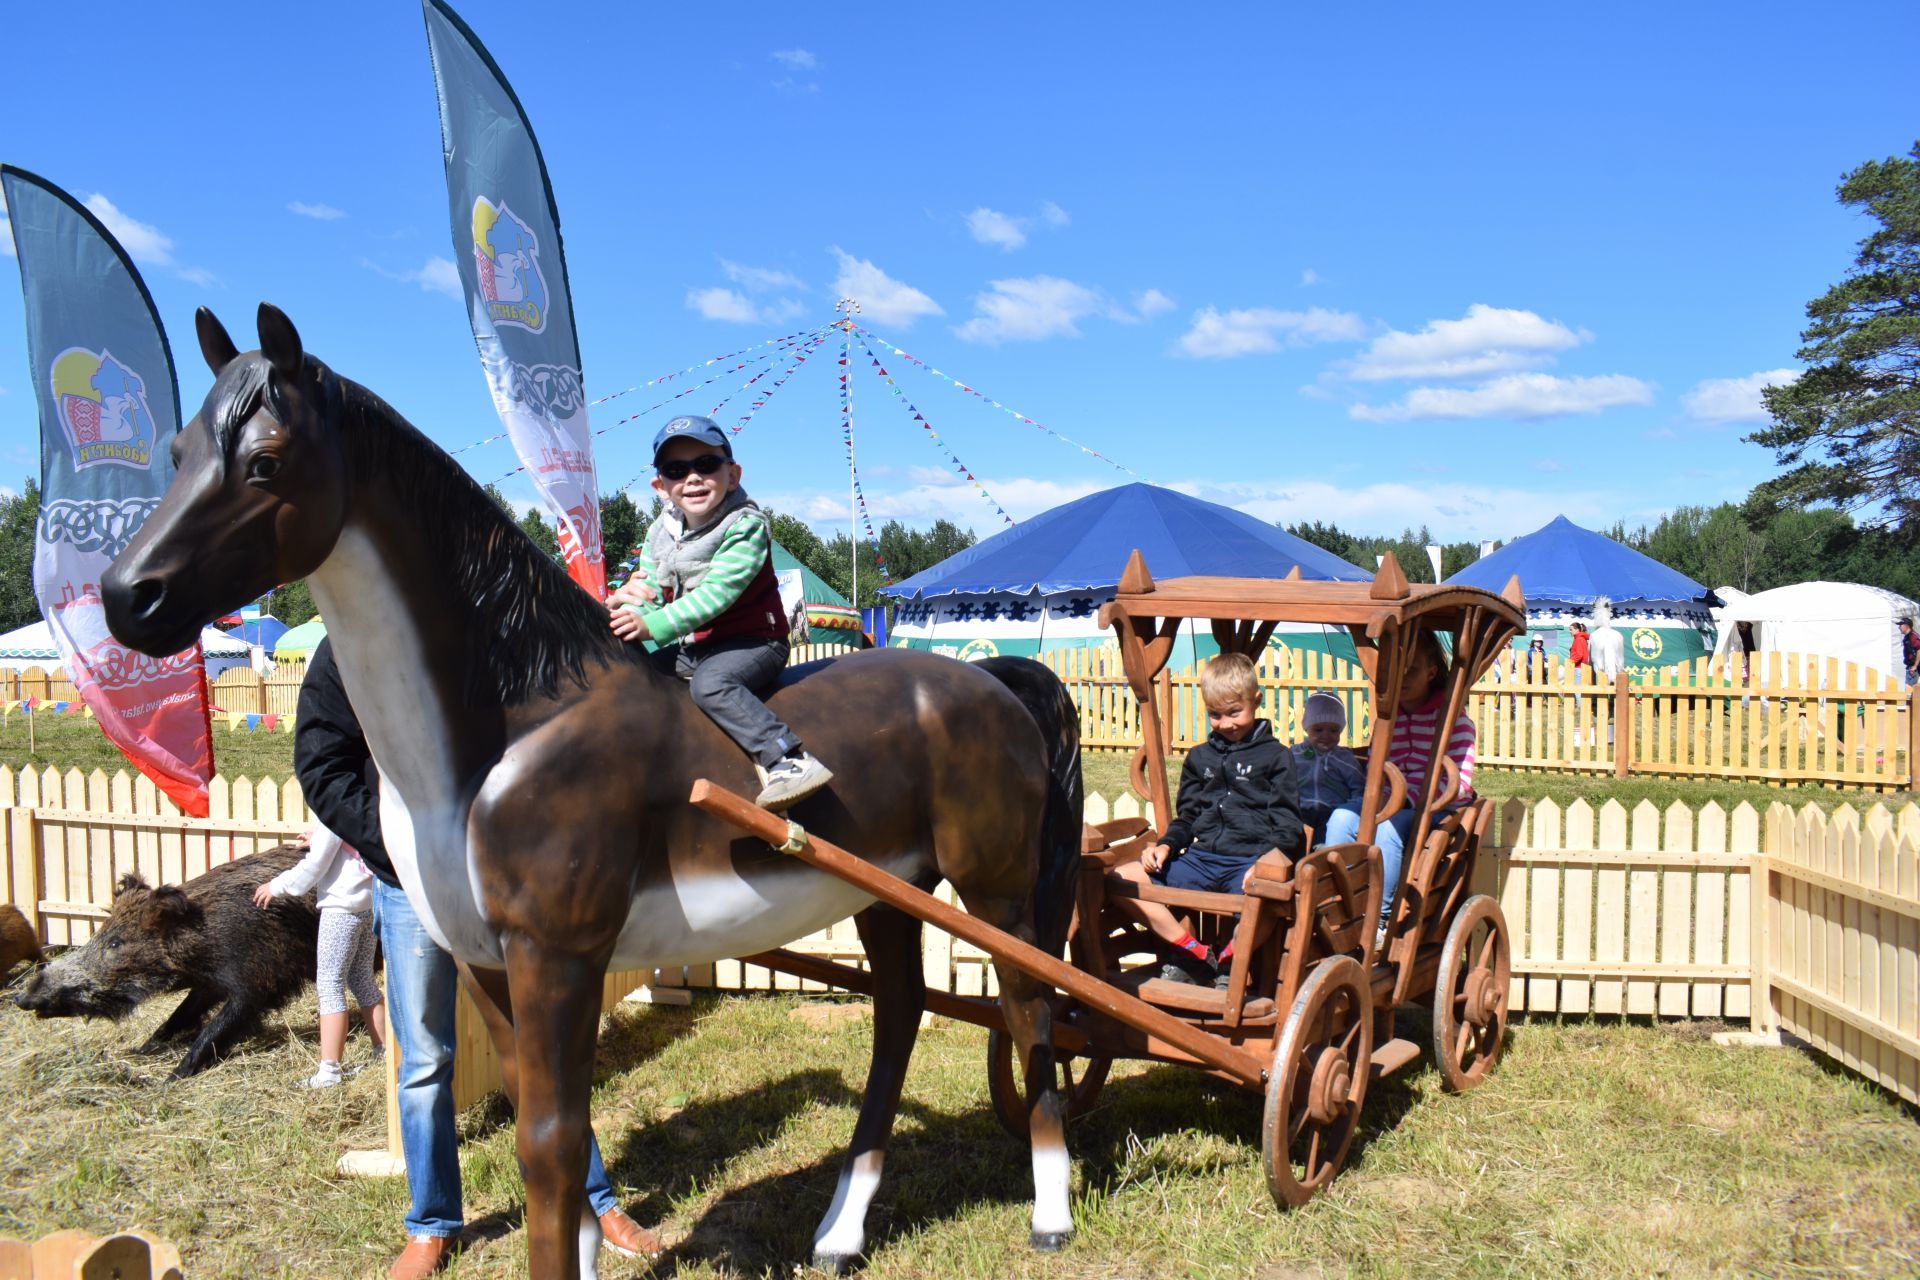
(342,787)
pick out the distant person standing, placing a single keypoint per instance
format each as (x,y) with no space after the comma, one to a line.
(1910,650)
(1577,652)
(1607,646)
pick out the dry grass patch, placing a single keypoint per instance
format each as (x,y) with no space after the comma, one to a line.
(1596,1148)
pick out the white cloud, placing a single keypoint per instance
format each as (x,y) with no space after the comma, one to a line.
(1152,303)
(722,304)
(144,242)
(438,275)
(1553,466)
(795,59)
(990,226)
(6,236)
(1309,277)
(1734,399)
(737,308)
(1028,310)
(759,279)
(882,298)
(1486,340)
(1218,335)
(320,212)
(1009,231)
(1520,395)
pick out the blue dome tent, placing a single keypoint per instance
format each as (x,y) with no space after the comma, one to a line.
(1039,585)
(1661,613)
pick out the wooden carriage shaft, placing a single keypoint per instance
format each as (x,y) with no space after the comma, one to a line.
(1003,947)
(981,1011)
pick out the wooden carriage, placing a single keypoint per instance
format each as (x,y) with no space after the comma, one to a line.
(1314,1006)
(1308,1016)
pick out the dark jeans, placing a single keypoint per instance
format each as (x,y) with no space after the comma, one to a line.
(727,678)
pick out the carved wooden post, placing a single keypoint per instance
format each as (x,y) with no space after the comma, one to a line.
(1622,725)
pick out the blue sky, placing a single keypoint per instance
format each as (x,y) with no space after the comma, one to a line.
(1471,269)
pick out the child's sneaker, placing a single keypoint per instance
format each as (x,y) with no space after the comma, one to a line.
(793,780)
(1186,967)
(326,1077)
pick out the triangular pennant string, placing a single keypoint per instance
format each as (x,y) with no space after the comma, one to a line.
(678,395)
(767,394)
(899,394)
(779,343)
(846,437)
(1006,409)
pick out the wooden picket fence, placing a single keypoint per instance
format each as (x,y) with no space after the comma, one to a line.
(244,691)
(1803,922)
(1792,719)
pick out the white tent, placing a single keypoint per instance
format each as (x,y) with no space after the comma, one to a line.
(1843,620)
(33,646)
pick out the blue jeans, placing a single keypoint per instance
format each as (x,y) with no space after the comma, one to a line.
(421,995)
(1391,838)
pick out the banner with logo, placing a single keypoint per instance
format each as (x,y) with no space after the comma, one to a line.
(109,407)
(506,241)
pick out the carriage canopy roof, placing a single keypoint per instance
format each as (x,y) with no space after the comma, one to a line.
(1563,564)
(1084,545)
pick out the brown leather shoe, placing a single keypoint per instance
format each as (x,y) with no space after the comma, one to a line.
(423,1256)
(626,1237)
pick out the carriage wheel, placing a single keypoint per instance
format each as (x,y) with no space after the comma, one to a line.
(1470,994)
(1078,1079)
(1318,1081)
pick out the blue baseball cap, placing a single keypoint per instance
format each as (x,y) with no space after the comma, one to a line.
(692,427)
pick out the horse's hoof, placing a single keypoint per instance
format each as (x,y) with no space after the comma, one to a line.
(836,1264)
(1049,1241)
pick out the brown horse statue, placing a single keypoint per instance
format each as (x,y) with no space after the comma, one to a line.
(536,770)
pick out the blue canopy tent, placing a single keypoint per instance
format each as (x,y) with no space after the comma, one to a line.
(261,633)
(1661,613)
(1039,585)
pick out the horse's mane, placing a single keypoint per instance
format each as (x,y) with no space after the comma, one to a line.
(535,628)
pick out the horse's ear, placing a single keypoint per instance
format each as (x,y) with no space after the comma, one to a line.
(280,342)
(215,345)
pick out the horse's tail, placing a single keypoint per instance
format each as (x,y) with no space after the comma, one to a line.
(1047,700)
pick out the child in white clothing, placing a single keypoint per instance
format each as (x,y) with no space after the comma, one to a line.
(341,883)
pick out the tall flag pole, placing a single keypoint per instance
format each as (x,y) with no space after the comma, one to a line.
(506,242)
(109,406)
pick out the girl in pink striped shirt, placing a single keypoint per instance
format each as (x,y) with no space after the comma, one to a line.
(1423,699)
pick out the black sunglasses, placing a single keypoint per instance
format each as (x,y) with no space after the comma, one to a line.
(706,464)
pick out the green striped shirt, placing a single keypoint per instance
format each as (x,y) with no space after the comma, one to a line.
(744,547)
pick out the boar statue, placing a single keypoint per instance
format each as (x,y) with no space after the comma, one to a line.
(235,961)
(17,940)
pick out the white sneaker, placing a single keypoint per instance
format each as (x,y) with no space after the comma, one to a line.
(326,1077)
(793,780)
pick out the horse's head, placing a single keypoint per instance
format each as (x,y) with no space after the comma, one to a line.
(258,497)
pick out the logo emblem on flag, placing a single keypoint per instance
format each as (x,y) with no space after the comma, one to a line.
(101,405)
(506,261)
(1647,644)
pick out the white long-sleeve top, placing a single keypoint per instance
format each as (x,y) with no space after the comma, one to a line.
(332,870)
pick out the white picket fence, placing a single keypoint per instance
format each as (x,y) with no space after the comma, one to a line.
(1806,922)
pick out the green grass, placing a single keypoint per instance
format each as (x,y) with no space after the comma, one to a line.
(1594,1149)
(75,742)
